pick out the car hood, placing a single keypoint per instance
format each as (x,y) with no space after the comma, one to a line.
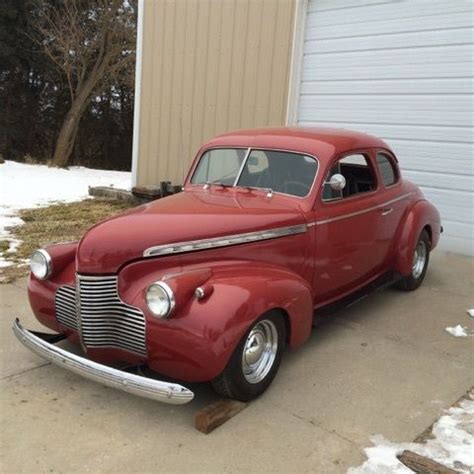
(183,217)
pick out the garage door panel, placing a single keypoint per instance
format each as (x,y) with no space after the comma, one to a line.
(393,71)
(388,86)
(463,245)
(403,131)
(440,157)
(446,54)
(390,41)
(456,229)
(353,109)
(345,5)
(318,29)
(446,181)
(400,11)
(450,204)
(438,62)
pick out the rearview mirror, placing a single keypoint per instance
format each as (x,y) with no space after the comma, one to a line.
(252,161)
(337,182)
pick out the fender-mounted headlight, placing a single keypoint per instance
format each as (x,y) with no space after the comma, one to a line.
(41,264)
(160,299)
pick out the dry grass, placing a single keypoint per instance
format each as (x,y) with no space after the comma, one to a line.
(55,223)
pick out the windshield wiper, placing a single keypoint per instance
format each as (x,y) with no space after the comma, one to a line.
(269,191)
(216,183)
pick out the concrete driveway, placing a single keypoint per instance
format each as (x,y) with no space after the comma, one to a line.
(386,366)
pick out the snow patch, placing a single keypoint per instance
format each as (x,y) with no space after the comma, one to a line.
(4,263)
(470,312)
(452,445)
(25,186)
(457,331)
(382,458)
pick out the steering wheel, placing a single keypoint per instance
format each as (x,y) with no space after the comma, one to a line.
(264,180)
(289,184)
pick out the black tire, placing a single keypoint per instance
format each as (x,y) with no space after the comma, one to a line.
(414,280)
(233,382)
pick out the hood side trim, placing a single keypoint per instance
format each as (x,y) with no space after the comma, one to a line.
(225,241)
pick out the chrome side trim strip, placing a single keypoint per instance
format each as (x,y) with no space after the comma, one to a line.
(363,211)
(225,241)
(135,384)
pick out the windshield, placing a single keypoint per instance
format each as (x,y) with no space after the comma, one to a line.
(280,171)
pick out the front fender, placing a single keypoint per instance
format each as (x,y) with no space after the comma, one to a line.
(196,342)
(41,293)
(422,214)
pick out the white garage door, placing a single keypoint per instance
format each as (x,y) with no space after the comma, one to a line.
(402,70)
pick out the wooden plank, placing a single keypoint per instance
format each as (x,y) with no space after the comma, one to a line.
(113,193)
(217,413)
(422,465)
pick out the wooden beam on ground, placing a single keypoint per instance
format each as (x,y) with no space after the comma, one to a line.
(422,465)
(217,413)
(113,193)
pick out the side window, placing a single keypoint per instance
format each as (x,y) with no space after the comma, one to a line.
(357,173)
(387,169)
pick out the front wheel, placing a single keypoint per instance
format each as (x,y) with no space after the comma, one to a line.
(421,257)
(255,361)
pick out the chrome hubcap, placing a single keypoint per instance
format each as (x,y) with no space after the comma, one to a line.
(259,351)
(419,259)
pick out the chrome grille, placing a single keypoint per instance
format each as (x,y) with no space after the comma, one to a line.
(104,319)
(65,303)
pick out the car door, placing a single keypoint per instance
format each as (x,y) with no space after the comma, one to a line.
(347,252)
(393,203)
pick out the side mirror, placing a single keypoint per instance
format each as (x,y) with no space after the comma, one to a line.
(337,182)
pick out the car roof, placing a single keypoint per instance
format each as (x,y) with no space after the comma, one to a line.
(321,142)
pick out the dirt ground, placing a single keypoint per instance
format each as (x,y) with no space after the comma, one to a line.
(385,366)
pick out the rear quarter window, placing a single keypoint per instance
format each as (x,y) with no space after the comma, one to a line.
(387,169)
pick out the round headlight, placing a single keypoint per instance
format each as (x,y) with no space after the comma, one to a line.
(40,264)
(160,299)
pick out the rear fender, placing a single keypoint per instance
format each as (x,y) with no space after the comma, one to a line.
(422,214)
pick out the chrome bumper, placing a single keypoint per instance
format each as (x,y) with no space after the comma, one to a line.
(142,386)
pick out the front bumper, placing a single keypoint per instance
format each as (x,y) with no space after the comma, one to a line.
(171,393)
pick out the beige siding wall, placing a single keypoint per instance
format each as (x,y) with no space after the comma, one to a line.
(208,66)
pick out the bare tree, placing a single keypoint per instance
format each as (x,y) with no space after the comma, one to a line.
(89,42)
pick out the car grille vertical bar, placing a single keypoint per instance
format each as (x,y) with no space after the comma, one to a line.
(65,302)
(95,309)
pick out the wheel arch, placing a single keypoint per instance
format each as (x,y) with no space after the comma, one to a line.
(286,319)
(429,231)
(422,216)
(273,289)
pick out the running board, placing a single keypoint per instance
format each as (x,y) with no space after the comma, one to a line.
(384,281)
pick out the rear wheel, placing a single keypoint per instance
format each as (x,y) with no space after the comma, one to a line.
(255,361)
(421,257)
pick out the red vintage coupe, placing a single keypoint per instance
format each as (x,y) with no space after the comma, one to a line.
(273,227)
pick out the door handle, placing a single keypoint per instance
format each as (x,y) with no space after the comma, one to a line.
(386,210)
